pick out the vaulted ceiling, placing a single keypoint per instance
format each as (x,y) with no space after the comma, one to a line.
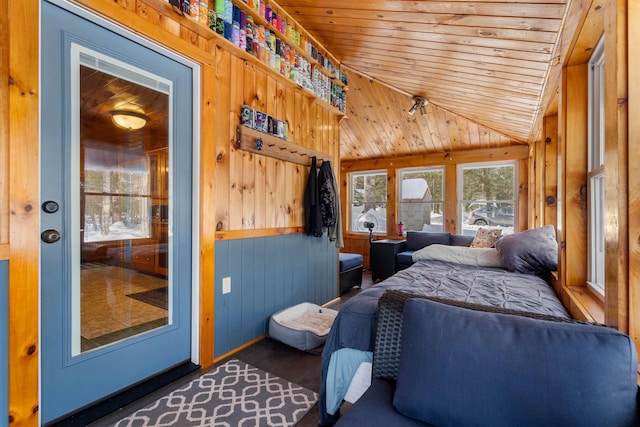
(484,66)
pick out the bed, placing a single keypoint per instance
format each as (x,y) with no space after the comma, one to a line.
(511,276)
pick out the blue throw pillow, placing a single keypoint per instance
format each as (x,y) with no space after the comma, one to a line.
(532,251)
(462,367)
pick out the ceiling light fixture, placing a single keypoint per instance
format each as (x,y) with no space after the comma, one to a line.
(419,103)
(127,119)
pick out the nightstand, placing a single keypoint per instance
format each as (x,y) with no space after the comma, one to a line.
(383,257)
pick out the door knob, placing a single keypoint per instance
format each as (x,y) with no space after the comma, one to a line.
(50,236)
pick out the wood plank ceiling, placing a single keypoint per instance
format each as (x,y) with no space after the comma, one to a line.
(482,65)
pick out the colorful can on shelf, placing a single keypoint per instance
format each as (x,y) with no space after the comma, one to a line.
(267,39)
(186,6)
(203,14)
(272,59)
(219,6)
(227,30)
(261,34)
(268,13)
(271,125)
(261,9)
(235,35)
(280,128)
(261,121)
(235,16)
(279,22)
(272,42)
(249,44)
(194,9)
(220,24)
(212,19)
(247,116)
(228,11)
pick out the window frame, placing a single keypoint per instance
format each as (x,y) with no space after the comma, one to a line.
(596,173)
(460,199)
(419,169)
(380,230)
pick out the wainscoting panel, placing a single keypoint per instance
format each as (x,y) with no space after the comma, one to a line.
(4,333)
(268,274)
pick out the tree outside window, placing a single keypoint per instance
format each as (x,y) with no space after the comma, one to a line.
(487,197)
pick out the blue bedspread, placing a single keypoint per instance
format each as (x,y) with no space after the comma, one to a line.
(355,325)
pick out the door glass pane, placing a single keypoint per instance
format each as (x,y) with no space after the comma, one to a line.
(123,208)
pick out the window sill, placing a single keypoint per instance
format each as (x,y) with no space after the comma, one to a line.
(581,303)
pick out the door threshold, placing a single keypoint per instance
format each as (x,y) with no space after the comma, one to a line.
(112,403)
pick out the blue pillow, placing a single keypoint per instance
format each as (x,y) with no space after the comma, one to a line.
(418,239)
(532,251)
(461,367)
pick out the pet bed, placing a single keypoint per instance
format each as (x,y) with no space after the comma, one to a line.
(304,326)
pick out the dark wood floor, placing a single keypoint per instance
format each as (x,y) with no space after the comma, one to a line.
(293,365)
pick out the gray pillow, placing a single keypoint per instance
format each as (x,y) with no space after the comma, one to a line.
(532,251)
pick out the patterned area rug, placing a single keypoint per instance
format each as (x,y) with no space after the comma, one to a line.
(234,394)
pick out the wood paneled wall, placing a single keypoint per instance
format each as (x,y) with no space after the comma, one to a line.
(616,193)
(255,191)
(612,20)
(4,129)
(574,155)
(358,242)
(20,125)
(633,140)
(268,274)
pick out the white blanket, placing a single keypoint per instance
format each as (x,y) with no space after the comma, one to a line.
(481,257)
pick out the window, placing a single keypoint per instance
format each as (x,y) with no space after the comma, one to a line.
(117,202)
(596,183)
(487,197)
(421,199)
(368,202)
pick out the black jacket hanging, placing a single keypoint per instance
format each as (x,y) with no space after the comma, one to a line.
(327,195)
(313,217)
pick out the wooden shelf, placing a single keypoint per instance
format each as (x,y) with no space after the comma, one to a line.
(220,41)
(258,19)
(272,146)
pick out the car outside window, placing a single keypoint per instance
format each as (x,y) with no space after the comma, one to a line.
(487,197)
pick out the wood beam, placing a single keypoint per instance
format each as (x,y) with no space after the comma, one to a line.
(24,213)
(615,168)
